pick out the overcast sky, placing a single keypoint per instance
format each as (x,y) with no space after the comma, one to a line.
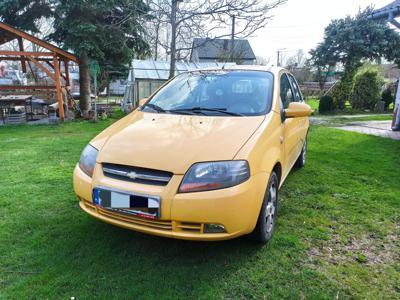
(300,24)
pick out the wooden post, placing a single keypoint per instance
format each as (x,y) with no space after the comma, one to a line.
(21,48)
(57,78)
(41,67)
(67,79)
(68,83)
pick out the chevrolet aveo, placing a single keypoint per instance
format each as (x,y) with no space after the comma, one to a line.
(203,158)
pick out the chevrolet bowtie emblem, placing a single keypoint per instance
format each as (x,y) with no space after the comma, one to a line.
(132,175)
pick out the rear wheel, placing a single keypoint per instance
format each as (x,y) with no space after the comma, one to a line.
(267,218)
(301,160)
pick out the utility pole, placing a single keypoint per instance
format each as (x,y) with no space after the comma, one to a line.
(278,63)
(233,38)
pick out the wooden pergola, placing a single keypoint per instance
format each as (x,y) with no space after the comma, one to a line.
(49,61)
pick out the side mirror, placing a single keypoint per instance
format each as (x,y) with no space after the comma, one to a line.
(298,110)
(143,101)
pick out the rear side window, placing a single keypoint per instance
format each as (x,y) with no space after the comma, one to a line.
(296,90)
(286,91)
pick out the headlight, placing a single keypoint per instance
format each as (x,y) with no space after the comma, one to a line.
(88,160)
(214,175)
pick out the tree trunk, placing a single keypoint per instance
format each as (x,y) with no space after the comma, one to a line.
(233,39)
(173,38)
(84,84)
(156,41)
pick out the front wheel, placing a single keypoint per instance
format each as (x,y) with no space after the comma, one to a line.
(267,218)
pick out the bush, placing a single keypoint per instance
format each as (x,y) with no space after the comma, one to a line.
(325,105)
(387,97)
(339,97)
(341,92)
(367,88)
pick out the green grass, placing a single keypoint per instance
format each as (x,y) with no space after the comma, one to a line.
(110,100)
(329,120)
(337,235)
(314,104)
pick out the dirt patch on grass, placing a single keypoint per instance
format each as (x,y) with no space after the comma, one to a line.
(367,249)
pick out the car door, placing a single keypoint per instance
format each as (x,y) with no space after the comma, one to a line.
(290,134)
(302,123)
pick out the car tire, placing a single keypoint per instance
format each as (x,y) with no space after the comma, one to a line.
(267,217)
(301,160)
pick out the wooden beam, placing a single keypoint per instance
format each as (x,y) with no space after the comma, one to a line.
(39,42)
(18,58)
(51,65)
(33,73)
(67,78)
(41,67)
(57,80)
(5,37)
(26,87)
(21,48)
(25,53)
(43,93)
(68,85)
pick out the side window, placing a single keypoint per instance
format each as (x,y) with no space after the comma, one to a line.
(296,90)
(286,91)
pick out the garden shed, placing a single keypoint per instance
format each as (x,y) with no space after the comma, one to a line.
(390,13)
(146,76)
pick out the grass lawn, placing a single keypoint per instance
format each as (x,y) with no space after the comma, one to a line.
(338,120)
(314,104)
(337,235)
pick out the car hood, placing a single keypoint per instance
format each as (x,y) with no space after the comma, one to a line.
(171,142)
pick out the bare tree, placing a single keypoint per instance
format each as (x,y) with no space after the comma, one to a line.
(297,60)
(262,61)
(211,19)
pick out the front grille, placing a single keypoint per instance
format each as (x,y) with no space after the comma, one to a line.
(165,225)
(129,219)
(136,174)
(191,227)
(155,224)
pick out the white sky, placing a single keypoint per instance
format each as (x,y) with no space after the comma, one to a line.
(300,24)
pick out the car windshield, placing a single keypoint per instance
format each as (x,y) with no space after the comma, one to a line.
(225,92)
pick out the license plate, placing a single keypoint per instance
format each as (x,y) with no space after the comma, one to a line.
(124,202)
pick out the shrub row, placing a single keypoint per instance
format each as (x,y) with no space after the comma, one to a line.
(362,88)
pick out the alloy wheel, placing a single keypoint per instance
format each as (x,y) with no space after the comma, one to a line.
(270,208)
(304,152)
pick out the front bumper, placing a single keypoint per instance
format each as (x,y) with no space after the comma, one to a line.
(183,216)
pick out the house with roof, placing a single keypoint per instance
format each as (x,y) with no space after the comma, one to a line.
(389,12)
(220,50)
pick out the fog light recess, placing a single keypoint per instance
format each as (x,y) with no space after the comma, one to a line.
(214,228)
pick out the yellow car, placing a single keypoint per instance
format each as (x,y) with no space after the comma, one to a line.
(201,159)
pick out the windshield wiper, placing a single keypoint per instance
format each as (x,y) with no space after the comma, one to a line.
(155,107)
(202,109)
